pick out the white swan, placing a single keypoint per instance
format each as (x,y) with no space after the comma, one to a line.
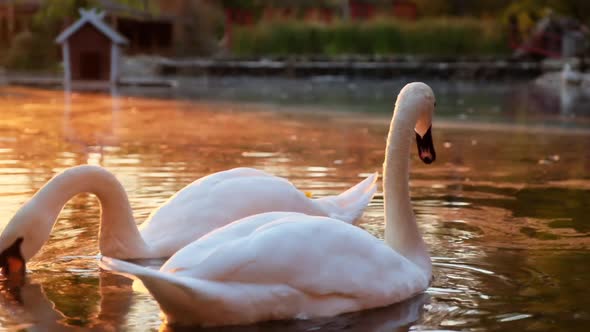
(208,203)
(256,269)
(570,76)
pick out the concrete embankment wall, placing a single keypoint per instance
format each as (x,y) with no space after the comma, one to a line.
(159,71)
(474,69)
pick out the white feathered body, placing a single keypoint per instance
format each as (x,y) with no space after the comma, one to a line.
(278,265)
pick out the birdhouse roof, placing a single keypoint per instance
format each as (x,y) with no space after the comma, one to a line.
(95,18)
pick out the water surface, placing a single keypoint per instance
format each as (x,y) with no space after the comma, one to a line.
(504,208)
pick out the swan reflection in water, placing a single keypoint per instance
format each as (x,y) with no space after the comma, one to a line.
(29,302)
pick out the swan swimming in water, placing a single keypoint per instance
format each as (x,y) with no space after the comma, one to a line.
(202,206)
(570,76)
(256,269)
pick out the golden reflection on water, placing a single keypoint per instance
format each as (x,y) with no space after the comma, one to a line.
(489,207)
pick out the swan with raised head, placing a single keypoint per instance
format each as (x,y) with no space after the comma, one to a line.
(202,206)
(256,269)
(570,76)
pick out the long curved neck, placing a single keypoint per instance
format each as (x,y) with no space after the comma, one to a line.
(118,235)
(401,230)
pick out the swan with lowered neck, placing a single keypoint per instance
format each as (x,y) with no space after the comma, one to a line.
(256,269)
(206,204)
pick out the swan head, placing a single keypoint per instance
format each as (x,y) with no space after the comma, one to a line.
(12,262)
(417,99)
(20,240)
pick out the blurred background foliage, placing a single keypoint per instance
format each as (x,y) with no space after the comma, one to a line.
(442,28)
(432,36)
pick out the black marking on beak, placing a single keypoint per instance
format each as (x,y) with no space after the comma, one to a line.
(426,147)
(12,262)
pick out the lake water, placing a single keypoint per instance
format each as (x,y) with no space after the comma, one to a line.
(504,209)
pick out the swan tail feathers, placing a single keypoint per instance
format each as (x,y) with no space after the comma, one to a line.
(350,205)
(145,274)
(123,268)
(174,294)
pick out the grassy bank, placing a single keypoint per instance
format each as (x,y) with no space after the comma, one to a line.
(437,37)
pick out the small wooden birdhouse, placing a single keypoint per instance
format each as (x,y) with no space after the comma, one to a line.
(91,49)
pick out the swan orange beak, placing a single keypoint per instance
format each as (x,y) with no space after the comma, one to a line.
(426,147)
(12,262)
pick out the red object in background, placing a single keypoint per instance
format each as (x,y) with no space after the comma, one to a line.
(236,16)
(361,10)
(240,16)
(324,15)
(543,44)
(405,9)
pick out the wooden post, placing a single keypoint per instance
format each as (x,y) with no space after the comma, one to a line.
(65,49)
(114,63)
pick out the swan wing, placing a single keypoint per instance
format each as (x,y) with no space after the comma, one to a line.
(194,253)
(199,188)
(199,209)
(221,198)
(336,258)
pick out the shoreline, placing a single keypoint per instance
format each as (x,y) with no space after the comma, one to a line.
(163,72)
